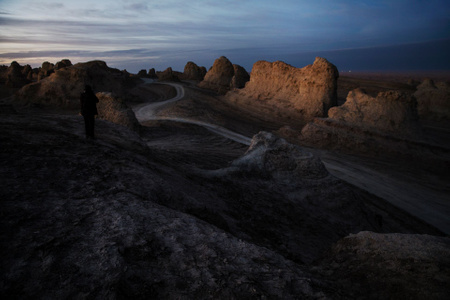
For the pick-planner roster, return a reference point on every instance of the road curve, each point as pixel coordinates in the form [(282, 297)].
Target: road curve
[(148, 113)]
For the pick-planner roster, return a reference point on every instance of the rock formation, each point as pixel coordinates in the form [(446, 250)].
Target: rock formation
[(386, 126), (63, 64), (142, 73), (114, 109), (46, 70), (433, 101), (224, 76), (282, 91), (152, 73), (16, 75), (240, 77), (390, 112), (63, 87), (390, 266), (272, 156), (194, 72), (168, 75)]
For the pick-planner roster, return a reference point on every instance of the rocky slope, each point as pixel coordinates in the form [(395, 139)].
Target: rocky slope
[(368, 265), (296, 95), (163, 215)]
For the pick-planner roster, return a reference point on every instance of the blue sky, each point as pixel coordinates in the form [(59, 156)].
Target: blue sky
[(134, 35)]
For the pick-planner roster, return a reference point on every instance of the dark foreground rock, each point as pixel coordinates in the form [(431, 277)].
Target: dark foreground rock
[(112, 218), (368, 265)]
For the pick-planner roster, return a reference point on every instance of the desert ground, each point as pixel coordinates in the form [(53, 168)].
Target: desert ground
[(180, 209)]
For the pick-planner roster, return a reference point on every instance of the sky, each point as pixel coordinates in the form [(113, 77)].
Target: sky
[(136, 34)]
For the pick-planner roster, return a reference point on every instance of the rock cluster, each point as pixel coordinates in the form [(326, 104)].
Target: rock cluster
[(433, 101), (391, 112), (63, 86), (193, 72), (114, 109), (224, 76), (287, 92)]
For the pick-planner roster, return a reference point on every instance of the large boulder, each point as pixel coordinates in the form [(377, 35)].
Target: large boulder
[(280, 90), (114, 109), (224, 76), (390, 266), (63, 87), (433, 100), (193, 72), (391, 112)]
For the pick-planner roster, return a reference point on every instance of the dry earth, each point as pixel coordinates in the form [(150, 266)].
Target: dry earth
[(162, 215)]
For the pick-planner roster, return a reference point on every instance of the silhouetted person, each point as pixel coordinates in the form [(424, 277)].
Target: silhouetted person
[(88, 106)]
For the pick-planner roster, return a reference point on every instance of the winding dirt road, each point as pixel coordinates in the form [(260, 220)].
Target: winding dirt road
[(418, 196), (149, 110)]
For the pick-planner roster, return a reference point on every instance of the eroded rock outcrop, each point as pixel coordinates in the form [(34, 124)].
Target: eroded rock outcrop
[(63, 87), (224, 76), (280, 90), (168, 75), (386, 126), (391, 112), (272, 156), (63, 64), (114, 109), (16, 76), (193, 72), (391, 266), (433, 101)]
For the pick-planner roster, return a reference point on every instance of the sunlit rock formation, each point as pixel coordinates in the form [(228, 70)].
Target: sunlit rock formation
[(193, 72), (114, 109), (224, 76), (63, 87), (433, 100), (390, 112), (282, 91)]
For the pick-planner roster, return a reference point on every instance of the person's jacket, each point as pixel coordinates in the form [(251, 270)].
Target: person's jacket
[(88, 103)]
